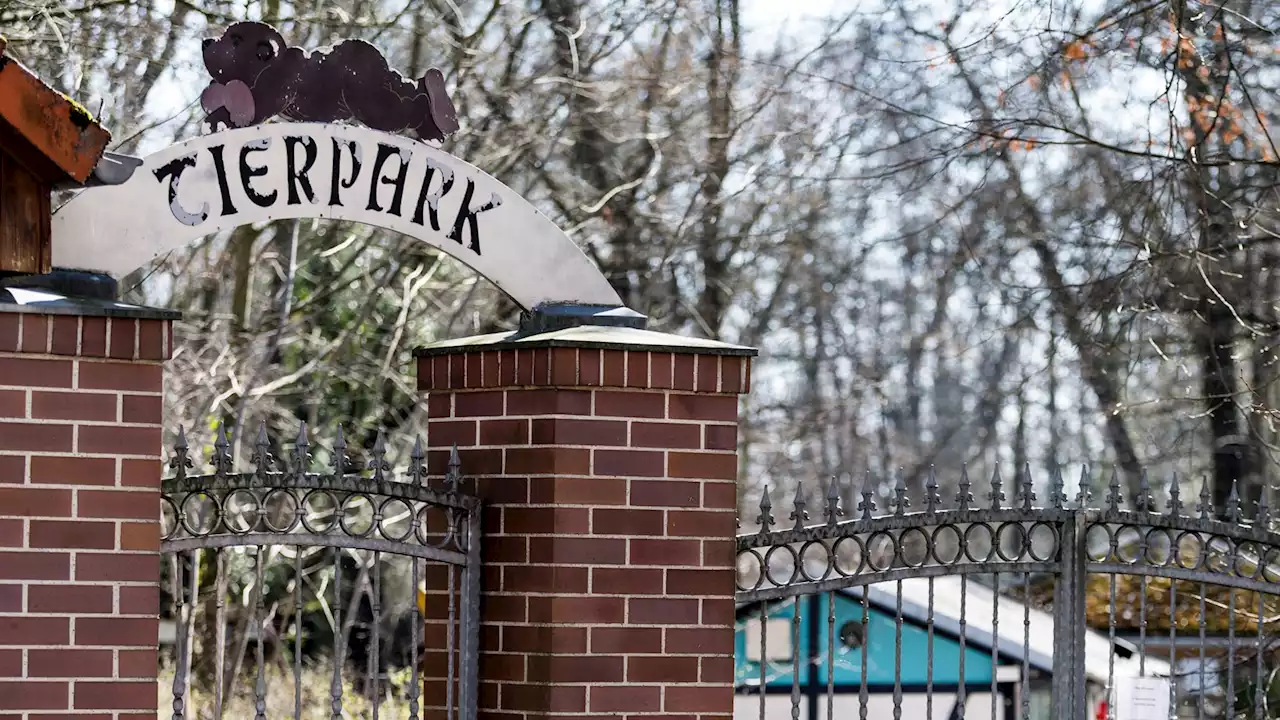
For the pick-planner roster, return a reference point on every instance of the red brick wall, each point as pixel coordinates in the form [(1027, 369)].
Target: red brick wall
[(80, 404), (609, 478)]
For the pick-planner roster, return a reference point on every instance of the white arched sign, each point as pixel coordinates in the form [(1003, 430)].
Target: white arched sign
[(304, 170)]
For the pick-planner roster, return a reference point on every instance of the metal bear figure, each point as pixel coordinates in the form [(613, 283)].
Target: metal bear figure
[(257, 76)]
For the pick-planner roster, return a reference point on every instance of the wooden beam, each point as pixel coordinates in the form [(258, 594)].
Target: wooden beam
[(54, 129)]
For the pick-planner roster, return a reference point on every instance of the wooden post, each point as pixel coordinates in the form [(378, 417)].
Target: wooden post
[(25, 211)]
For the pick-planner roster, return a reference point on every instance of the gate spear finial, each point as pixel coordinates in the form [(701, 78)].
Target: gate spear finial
[(339, 461), (1084, 495), (301, 452), (378, 459), (417, 471), (833, 510), (931, 498), (1143, 503), (222, 461), (1113, 494), (453, 476), (965, 496), (868, 504), (1175, 496), (180, 460), (900, 500), (1206, 500), (1025, 492), (1233, 504), (261, 457), (1057, 488), (798, 514), (765, 519), (997, 489)]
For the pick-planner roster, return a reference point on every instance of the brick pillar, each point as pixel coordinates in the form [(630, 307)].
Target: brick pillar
[(80, 404), (609, 474)]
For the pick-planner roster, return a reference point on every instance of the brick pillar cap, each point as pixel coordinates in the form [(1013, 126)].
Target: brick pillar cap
[(42, 301), (587, 336)]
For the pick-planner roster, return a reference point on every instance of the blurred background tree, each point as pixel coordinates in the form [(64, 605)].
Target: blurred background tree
[(959, 230)]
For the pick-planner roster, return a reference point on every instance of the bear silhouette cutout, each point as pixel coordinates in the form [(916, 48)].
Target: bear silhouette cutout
[(257, 76)]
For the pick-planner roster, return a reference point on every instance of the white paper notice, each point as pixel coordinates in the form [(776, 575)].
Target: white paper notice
[(1145, 698)]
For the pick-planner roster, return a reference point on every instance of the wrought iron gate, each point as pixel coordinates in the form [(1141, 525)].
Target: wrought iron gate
[(261, 551), (986, 609)]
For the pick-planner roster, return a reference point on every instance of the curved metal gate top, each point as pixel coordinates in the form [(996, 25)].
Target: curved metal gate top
[(989, 609), (288, 545)]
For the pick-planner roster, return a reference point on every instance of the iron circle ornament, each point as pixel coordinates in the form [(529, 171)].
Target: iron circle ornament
[(319, 511), (280, 510), (206, 511), (1042, 536), (422, 526), (452, 531), (1217, 555), (396, 521), (882, 551), (914, 547), (1159, 547), (462, 533), (979, 534), (789, 556), (1128, 545), (821, 560), (439, 533), (1270, 571), (357, 517), (170, 522), (1246, 560), (946, 542), (850, 546), (1190, 550), (1099, 542), (240, 511), (1011, 541), (749, 566)]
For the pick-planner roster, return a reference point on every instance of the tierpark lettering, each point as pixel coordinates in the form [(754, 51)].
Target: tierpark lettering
[(249, 172)]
